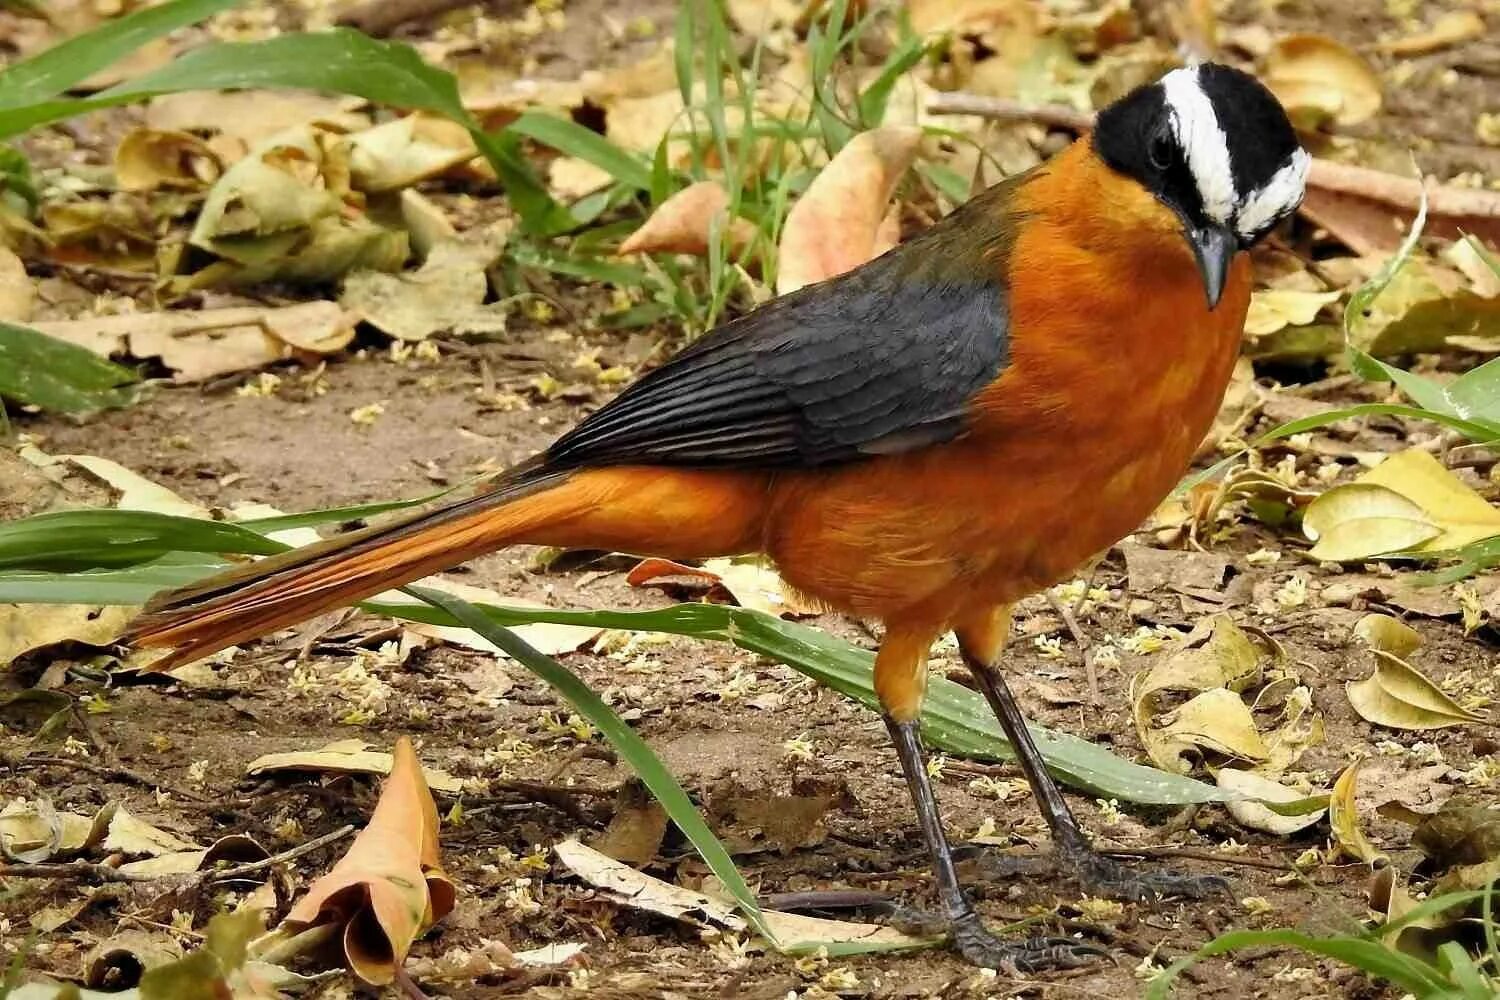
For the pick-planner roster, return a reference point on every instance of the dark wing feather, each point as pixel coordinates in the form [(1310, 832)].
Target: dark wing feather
[(883, 359)]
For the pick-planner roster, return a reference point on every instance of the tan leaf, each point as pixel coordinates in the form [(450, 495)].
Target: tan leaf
[(402, 152), (445, 295), (345, 757), (833, 227), (1220, 721), (1343, 817), (681, 223), (1451, 28), (750, 583), (389, 887), (148, 159), (570, 178), (1318, 78), (17, 293), (1360, 520), (1387, 634), (253, 116), (1253, 814), (130, 835), (1276, 308), (25, 628), (1399, 696)]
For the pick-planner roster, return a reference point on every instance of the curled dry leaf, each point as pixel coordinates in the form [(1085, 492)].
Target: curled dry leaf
[(750, 583), (390, 887), (1399, 696), (1451, 28), (834, 226), (201, 344), (346, 757), (33, 830), (249, 117), (402, 152), (445, 295), (1387, 634), (1318, 79), (148, 160), (1256, 816), (1343, 818), (681, 224)]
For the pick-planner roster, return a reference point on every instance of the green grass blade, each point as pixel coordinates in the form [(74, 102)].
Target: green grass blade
[(632, 749), (39, 370), (52, 72), (573, 139), (339, 515), (875, 97), (1376, 959), (72, 541)]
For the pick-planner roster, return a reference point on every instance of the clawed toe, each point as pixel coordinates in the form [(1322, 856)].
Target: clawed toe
[(1101, 876), (1038, 954)]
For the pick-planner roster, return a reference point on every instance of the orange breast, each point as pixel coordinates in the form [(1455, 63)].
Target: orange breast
[(1116, 370)]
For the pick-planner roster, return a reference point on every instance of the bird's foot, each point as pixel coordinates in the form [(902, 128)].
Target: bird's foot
[(977, 945), (1103, 876)]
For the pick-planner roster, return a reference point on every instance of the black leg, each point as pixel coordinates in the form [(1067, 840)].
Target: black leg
[(970, 937), (1098, 874)]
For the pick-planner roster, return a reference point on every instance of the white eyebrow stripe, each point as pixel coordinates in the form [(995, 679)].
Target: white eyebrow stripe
[(1196, 126), (1275, 198)]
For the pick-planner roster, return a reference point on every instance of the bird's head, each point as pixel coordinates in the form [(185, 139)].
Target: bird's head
[(1214, 146)]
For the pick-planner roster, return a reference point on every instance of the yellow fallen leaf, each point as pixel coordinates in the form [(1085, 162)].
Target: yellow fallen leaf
[(390, 887), (834, 226), (345, 757), (1387, 634), (1463, 515), (1360, 520), (1399, 696), (1315, 73), (17, 293), (149, 159), (1275, 308), (1220, 721), (1343, 818)]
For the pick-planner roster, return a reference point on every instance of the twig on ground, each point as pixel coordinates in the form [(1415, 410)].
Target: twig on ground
[(118, 773), (1194, 854), (407, 987), (1052, 115), (291, 854), (70, 870)]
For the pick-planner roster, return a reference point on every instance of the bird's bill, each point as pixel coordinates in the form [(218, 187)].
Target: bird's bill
[(1214, 248)]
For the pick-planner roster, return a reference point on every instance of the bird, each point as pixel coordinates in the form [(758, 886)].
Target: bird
[(922, 441)]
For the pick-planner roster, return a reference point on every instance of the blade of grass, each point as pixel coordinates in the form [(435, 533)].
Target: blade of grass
[(49, 73), (39, 370), (632, 749), (875, 97), (72, 541), (573, 139)]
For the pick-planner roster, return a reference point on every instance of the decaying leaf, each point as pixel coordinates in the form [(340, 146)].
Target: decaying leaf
[(148, 160), (346, 757), (407, 150), (1387, 634), (1343, 818), (1408, 795), (130, 835), (750, 583), (1451, 28), (636, 889), (17, 293), (33, 830), (201, 344), (445, 295), (390, 886), (27, 628), (1399, 696), (1318, 79), (681, 224), (1408, 502), (834, 226), (249, 117), (1253, 814)]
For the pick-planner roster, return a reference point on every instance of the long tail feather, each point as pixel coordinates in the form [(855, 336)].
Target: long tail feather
[(272, 593)]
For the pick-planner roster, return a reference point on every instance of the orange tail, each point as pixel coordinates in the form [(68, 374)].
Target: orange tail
[(656, 511)]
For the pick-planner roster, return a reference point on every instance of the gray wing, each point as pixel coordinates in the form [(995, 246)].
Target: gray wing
[(883, 359)]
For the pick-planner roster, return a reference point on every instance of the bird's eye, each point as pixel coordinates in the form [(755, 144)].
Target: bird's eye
[(1160, 150)]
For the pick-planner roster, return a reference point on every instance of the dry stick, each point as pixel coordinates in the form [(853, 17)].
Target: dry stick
[(381, 17), (1341, 178), (120, 773), (1194, 854), (250, 868)]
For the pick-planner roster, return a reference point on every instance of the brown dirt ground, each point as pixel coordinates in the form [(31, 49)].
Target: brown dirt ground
[(299, 450)]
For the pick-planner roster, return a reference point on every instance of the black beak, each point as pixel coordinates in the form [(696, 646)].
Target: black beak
[(1214, 248)]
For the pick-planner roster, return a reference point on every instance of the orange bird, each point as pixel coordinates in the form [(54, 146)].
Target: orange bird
[(924, 440)]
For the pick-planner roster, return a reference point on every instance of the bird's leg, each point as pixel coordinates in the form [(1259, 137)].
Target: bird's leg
[(900, 678), (981, 643)]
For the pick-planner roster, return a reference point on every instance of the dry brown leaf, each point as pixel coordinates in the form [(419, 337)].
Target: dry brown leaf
[(445, 295), (390, 886), (681, 223), (149, 159), (570, 178), (834, 226), (198, 345), (17, 293), (402, 152), (346, 757), (252, 116), (1451, 28), (129, 835), (1318, 79), (1400, 696), (750, 583), (1367, 209)]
